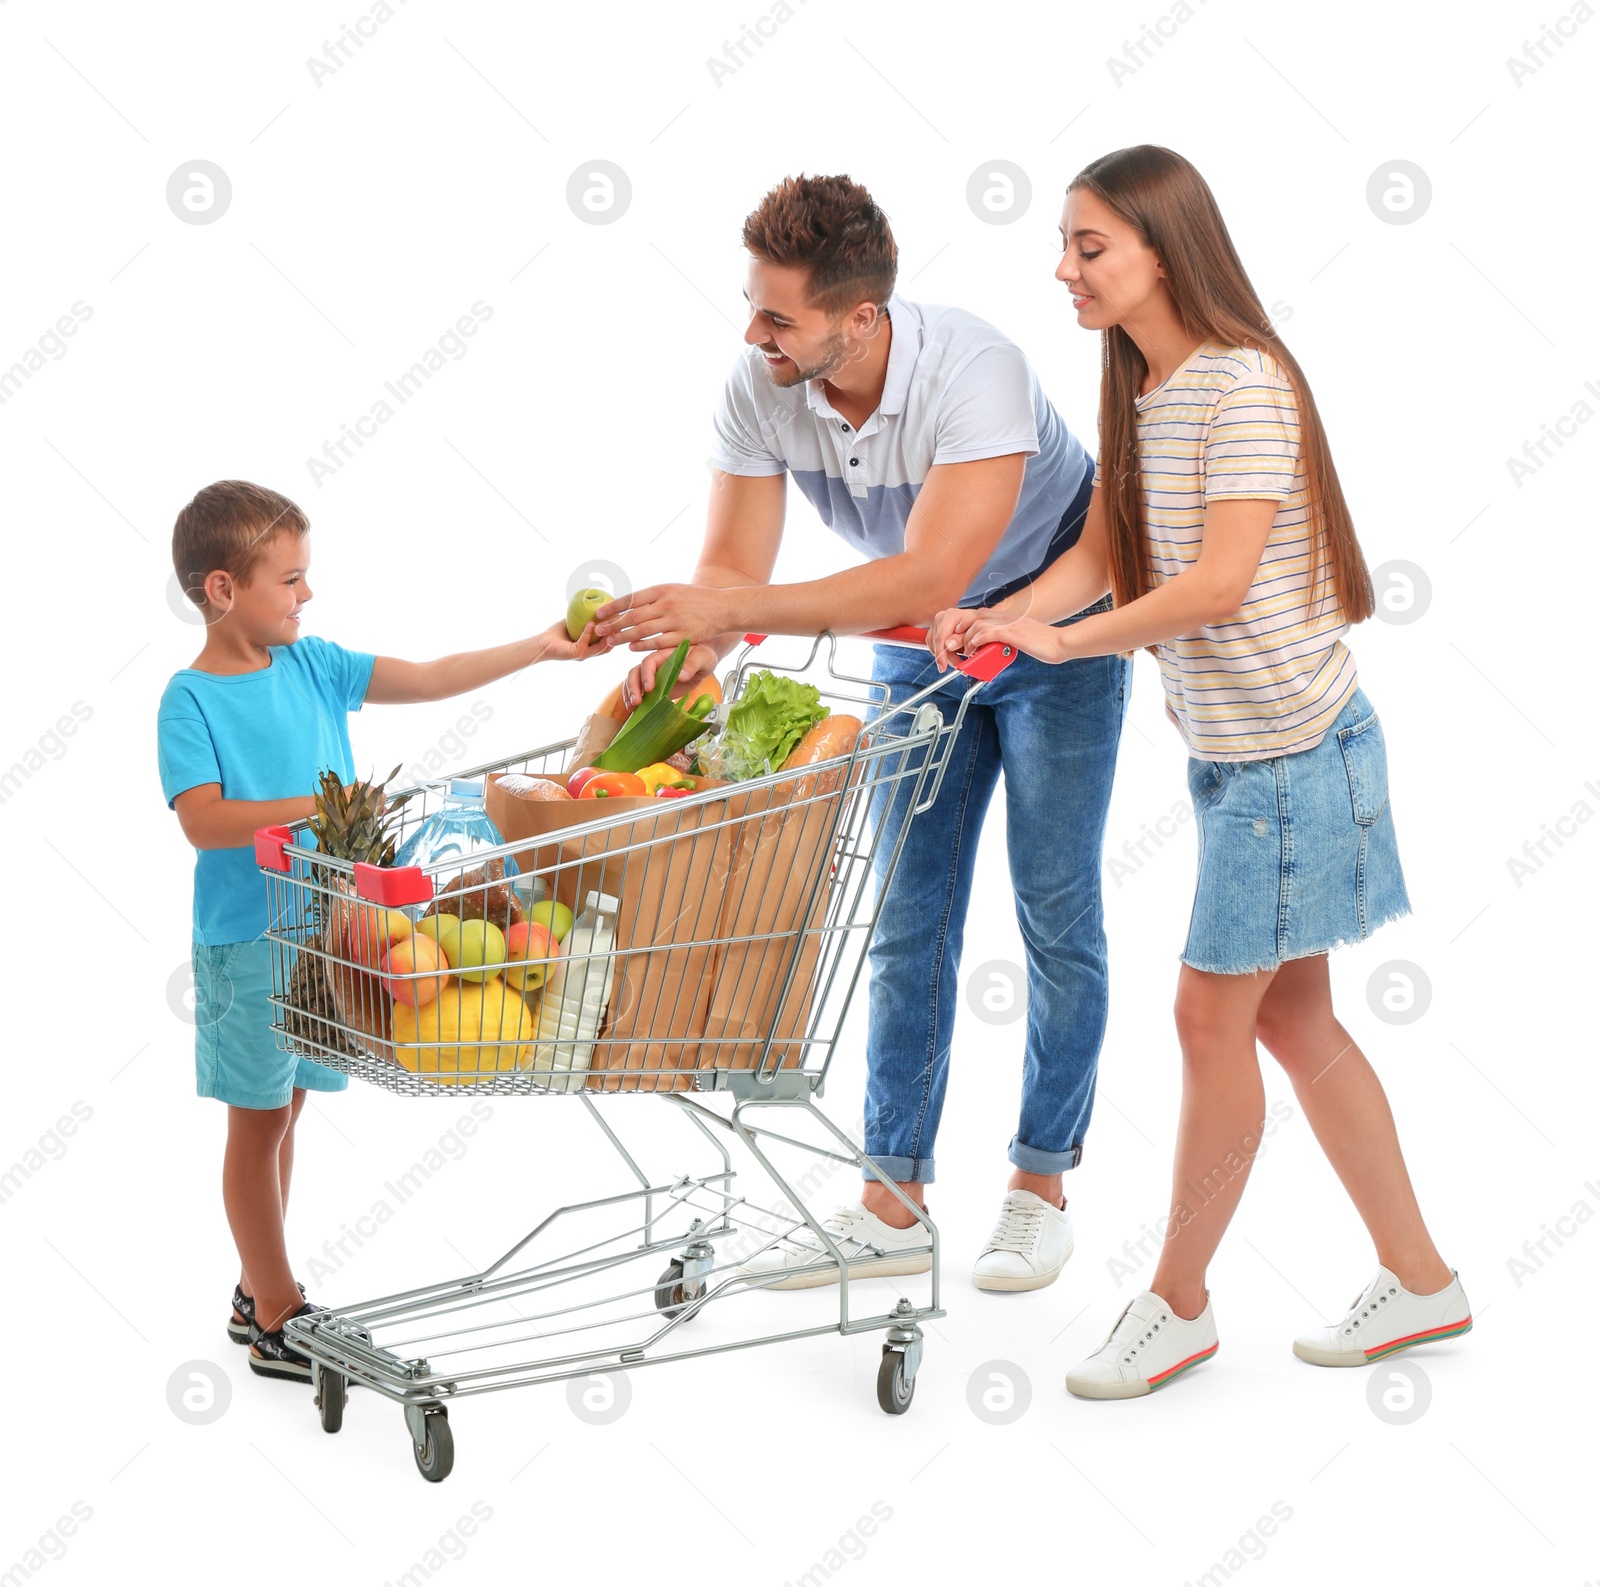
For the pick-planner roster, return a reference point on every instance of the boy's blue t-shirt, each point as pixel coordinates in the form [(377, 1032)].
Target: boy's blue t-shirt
[(261, 735)]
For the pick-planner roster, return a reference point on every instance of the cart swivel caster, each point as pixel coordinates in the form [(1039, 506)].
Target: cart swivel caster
[(330, 1397), (894, 1387), (902, 1355), (432, 1445), (675, 1294), (684, 1280)]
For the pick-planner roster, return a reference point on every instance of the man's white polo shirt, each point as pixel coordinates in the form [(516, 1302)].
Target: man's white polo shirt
[(955, 390)]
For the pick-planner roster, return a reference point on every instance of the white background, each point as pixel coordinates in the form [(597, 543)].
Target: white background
[(367, 214)]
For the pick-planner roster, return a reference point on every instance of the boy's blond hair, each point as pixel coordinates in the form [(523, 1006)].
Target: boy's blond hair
[(228, 526)]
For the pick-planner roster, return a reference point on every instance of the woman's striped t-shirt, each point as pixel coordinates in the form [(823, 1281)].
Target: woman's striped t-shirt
[(1270, 679)]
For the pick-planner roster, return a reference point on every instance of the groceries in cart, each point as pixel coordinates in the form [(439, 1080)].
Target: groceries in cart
[(612, 880), (455, 831)]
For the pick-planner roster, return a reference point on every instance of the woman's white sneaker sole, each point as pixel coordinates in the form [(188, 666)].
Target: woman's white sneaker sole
[(1029, 1281), (1318, 1356), (1091, 1389)]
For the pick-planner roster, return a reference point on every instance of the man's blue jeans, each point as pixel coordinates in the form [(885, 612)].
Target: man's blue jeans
[(1054, 731)]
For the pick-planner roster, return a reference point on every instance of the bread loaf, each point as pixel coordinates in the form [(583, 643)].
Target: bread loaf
[(525, 787), (834, 735)]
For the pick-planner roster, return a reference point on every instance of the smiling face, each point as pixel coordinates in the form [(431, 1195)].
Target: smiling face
[(263, 607), (1113, 274), (798, 340)]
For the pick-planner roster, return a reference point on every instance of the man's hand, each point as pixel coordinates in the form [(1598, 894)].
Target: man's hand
[(700, 663), (659, 617), (558, 647)]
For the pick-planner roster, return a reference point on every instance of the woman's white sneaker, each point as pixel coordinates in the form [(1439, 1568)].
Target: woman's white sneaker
[(1384, 1319), (871, 1247), (1030, 1244), (1148, 1347)]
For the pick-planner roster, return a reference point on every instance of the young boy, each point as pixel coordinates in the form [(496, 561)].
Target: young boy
[(242, 736)]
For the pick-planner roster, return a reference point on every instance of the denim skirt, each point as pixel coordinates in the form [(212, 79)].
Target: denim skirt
[(1297, 853)]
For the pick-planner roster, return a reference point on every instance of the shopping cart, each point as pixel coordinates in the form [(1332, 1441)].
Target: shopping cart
[(740, 917)]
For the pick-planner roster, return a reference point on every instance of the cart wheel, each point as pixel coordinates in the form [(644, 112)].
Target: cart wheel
[(437, 1453), (670, 1296), (330, 1399), (894, 1393)]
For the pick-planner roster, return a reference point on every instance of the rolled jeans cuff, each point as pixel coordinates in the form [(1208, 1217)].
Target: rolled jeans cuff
[(902, 1170), (1032, 1161)]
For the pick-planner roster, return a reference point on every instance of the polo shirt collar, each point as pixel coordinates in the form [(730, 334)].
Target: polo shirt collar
[(903, 346)]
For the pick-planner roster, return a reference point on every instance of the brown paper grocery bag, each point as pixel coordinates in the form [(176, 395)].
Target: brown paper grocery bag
[(781, 860), (667, 869)]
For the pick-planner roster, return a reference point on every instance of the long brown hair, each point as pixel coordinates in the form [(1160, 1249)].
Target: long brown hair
[(1166, 200)]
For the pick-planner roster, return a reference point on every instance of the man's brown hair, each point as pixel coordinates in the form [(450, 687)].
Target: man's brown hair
[(229, 525), (829, 226)]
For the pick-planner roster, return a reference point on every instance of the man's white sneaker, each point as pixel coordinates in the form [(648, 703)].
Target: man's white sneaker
[(1384, 1319), (1149, 1346), (872, 1248), (1029, 1247)]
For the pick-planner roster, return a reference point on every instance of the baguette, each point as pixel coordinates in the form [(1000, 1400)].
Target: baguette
[(834, 735)]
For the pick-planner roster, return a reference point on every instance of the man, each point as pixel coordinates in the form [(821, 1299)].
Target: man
[(921, 436)]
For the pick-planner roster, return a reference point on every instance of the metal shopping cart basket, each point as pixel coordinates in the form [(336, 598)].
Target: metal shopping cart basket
[(724, 935)]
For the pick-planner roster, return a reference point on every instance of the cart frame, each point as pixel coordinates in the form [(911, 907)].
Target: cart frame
[(682, 1217)]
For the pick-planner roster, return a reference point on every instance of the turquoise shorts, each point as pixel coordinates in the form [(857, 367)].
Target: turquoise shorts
[(236, 1056)]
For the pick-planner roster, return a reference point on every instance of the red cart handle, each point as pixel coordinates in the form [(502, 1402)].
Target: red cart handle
[(989, 662), (390, 886)]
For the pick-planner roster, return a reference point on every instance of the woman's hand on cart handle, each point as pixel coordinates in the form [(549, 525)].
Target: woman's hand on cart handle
[(985, 663)]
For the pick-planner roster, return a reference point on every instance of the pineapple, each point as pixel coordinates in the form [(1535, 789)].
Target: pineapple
[(354, 823), (349, 824)]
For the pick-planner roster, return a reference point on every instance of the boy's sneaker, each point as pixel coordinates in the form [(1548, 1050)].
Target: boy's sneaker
[(1148, 1347), (870, 1246), (242, 1322), (1384, 1319), (272, 1357), (1029, 1247)]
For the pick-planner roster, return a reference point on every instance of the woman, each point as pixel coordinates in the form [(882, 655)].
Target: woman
[(1218, 524)]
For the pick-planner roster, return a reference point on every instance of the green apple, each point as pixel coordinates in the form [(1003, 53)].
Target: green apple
[(480, 950), (581, 609), (555, 917), (444, 930)]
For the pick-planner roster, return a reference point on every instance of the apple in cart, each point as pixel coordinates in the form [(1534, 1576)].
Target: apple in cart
[(531, 940), (371, 932), (584, 774), (480, 950), (415, 970), (553, 915), (442, 928)]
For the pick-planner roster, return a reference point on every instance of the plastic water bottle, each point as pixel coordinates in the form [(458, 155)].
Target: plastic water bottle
[(455, 831), (576, 995)]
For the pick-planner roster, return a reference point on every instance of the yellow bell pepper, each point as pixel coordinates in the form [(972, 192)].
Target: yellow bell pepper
[(660, 775)]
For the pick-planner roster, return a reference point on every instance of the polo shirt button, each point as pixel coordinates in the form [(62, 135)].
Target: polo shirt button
[(844, 426), (854, 461)]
